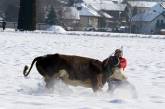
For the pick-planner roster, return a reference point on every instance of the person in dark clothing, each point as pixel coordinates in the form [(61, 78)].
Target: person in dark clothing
[(3, 25), (117, 65)]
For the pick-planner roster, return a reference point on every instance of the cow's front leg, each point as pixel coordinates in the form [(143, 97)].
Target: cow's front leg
[(97, 83)]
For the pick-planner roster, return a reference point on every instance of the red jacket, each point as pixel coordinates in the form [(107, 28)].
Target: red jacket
[(123, 63)]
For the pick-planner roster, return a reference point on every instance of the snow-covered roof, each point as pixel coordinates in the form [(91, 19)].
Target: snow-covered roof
[(144, 4), (106, 5), (106, 15), (151, 14), (87, 11), (70, 13)]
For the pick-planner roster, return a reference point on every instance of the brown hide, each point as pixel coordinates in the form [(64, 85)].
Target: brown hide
[(78, 69)]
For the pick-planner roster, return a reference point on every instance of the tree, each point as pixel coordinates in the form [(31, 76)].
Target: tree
[(27, 15), (51, 17)]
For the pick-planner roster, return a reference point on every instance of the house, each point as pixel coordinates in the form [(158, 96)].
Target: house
[(70, 18), (115, 9), (136, 7), (89, 17), (150, 21)]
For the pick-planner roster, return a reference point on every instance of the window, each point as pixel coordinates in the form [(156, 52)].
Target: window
[(158, 23), (162, 22)]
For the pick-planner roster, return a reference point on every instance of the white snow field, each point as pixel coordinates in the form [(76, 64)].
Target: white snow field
[(145, 71)]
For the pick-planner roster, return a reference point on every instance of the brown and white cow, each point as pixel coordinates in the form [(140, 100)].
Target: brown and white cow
[(73, 70)]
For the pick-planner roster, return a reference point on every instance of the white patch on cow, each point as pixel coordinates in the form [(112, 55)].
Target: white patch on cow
[(64, 76)]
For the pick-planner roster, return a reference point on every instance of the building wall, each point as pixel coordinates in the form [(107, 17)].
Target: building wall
[(136, 10), (86, 21), (160, 18), (148, 27), (143, 28), (142, 10)]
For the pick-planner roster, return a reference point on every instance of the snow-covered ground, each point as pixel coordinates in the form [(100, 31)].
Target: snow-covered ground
[(146, 70)]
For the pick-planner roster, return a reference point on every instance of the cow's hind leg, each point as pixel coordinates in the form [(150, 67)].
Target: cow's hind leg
[(44, 73), (48, 82)]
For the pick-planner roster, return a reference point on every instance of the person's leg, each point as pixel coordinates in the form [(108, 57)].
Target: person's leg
[(112, 84)]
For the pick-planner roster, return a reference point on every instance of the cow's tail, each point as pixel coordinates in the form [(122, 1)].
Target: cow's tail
[(25, 72)]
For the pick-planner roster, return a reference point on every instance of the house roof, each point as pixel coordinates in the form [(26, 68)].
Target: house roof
[(144, 4), (106, 15), (70, 13), (87, 11), (106, 5), (151, 14)]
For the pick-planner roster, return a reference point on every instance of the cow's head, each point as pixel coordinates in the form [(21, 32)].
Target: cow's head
[(108, 64), (106, 67)]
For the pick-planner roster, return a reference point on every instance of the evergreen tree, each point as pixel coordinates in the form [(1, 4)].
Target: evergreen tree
[(51, 17), (27, 15)]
